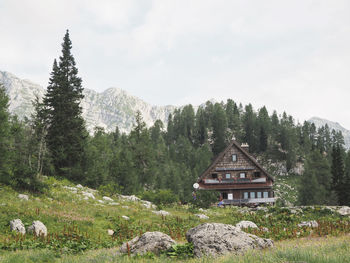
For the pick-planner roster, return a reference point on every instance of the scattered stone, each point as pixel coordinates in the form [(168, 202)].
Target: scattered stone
[(50, 199), (23, 197), (296, 210), (312, 224), (265, 229), (148, 204), (344, 211), (17, 225), (125, 206), (132, 198), (246, 224), (262, 208), (110, 232), (126, 217), (88, 195), (113, 203), (38, 228), (153, 242), (73, 189), (161, 212), (79, 186), (101, 201), (202, 216), (214, 239), (106, 198)]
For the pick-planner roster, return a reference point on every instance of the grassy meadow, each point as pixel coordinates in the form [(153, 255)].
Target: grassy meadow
[(77, 228)]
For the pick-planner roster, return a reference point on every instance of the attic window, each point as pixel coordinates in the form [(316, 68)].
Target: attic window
[(256, 174), (234, 157)]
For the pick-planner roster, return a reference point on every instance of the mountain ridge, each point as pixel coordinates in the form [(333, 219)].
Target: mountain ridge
[(108, 109)]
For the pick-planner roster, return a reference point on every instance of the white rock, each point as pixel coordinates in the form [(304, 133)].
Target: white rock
[(106, 198), (113, 203), (126, 217), (38, 228), (311, 224), (265, 229), (23, 197), (79, 186), (202, 216), (148, 204), (125, 206), (74, 189), (101, 201), (344, 211), (110, 232), (88, 195), (17, 225), (161, 212), (132, 198), (246, 224)]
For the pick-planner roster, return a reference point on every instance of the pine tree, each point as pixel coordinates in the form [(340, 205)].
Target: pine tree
[(66, 135), (338, 174), (347, 180), (4, 132), (219, 129)]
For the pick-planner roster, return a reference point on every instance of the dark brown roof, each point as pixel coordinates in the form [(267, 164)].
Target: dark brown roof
[(220, 155)]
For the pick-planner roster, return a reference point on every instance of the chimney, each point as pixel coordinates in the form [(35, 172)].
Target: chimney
[(245, 147)]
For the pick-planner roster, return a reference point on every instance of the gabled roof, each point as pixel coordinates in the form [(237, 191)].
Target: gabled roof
[(220, 156)]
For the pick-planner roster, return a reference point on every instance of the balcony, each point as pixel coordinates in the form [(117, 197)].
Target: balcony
[(249, 201), (235, 181)]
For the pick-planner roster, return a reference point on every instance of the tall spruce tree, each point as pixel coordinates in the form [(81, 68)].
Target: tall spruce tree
[(4, 132), (338, 174), (66, 135)]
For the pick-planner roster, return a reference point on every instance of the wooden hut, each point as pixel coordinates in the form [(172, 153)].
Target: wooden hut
[(239, 178)]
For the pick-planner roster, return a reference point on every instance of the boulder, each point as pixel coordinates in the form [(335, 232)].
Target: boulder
[(79, 186), (148, 204), (132, 198), (88, 195), (344, 211), (149, 242), (38, 228), (202, 216), (312, 224), (161, 212), (110, 232), (113, 203), (17, 225), (23, 197), (101, 201), (126, 217), (214, 239), (246, 224), (106, 198)]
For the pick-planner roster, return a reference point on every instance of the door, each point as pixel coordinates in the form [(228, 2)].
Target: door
[(230, 196)]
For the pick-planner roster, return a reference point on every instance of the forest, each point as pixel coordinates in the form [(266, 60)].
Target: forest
[(164, 160)]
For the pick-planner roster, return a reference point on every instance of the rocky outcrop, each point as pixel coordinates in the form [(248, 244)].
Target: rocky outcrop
[(23, 197), (161, 212), (149, 242), (38, 229), (214, 239), (202, 216), (17, 225), (344, 211), (246, 224), (108, 199), (312, 224)]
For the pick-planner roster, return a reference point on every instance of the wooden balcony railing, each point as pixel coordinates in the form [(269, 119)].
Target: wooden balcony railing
[(249, 201), (235, 181)]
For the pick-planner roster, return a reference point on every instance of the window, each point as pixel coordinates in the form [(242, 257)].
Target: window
[(228, 176), (214, 176), (230, 196), (242, 175), (256, 174), (224, 195), (245, 195), (258, 194), (252, 194), (266, 194), (234, 157)]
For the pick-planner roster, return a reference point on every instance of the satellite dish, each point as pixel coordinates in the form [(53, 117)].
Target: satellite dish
[(195, 186)]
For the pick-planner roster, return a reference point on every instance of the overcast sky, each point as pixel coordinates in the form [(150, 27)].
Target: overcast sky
[(288, 55)]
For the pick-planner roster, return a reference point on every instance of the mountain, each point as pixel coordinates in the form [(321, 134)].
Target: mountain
[(333, 126), (108, 109)]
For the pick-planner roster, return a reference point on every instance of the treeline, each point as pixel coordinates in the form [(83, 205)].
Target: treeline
[(165, 159)]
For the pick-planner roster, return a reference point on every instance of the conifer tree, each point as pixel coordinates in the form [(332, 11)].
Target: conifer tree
[(4, 132), (338, 174), (66, 135)]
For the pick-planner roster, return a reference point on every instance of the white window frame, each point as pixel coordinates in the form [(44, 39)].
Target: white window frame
[(230, 196), (252, 195), (234, 157), (227, 176), (245, 195), (242, 175), (258, 195), (266, 194)]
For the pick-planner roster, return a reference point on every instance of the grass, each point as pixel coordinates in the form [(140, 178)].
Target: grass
[(310, 250), (78, 228)]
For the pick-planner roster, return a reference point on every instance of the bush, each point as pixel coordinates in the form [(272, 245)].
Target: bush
[(205, 198), (160, 197)]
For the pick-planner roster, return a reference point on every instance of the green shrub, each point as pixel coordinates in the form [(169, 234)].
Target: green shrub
[(160, 197)]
